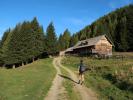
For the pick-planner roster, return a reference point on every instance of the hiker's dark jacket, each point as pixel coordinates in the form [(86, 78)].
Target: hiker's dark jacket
[(81, 68)]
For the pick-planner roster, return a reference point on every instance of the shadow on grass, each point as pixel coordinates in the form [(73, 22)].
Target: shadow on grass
[(66, 77)]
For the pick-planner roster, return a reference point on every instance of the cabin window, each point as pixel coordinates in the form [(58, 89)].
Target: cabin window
[(83, 43)]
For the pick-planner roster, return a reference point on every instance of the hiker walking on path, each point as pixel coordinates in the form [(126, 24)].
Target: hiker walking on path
[(81, 70)]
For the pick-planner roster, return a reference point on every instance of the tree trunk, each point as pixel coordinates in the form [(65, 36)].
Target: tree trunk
[(26, 63), (33, 59), (4, 65), (22, 63), (13, 67)]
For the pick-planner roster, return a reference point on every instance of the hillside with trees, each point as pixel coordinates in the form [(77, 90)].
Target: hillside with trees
[(117, 25)]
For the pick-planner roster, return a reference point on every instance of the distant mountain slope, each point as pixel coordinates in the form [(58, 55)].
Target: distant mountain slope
[(117, 25)]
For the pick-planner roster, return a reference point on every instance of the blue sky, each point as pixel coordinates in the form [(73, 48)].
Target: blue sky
[(71, 14)]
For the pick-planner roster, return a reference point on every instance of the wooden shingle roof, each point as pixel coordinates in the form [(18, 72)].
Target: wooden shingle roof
[(90, 42)]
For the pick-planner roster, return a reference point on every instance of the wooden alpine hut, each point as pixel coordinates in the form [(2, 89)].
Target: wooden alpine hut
[(100, 45)]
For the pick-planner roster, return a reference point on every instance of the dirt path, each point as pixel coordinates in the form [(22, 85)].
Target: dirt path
[(56, 91), (85, 93), (57, 88)]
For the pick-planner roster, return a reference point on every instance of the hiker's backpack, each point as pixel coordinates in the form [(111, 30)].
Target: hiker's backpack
[(82, 68)]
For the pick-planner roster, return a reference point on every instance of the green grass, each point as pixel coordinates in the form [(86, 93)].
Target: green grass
[(31, 82), (102, 78), (69, 87)]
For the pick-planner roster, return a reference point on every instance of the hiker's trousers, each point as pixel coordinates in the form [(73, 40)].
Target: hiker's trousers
[(81, 77)]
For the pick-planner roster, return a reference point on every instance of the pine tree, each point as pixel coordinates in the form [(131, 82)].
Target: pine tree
[(5, 48), (121, 38), (130, 27), (51, 39), (60, 43), (66, 39), (4, 37), (74, 39), (37, 38)]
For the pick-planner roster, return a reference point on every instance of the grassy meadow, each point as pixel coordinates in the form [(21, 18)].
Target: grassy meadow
[(30, 82), (111, 79)]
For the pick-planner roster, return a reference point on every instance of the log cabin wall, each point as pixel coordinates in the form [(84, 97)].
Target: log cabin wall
[(103, 47)]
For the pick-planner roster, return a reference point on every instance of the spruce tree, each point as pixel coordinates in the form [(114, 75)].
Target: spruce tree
[(60, 43), (37, 37), (51, 39), (4, 37), (66, 39), (130, 27), (5, 48), (74, 39)]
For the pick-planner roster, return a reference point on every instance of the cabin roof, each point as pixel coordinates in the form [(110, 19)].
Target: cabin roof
[(91, 41), (69, 49)]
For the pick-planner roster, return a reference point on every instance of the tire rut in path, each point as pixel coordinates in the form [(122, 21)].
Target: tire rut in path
[(85, 93), (56, 89)]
